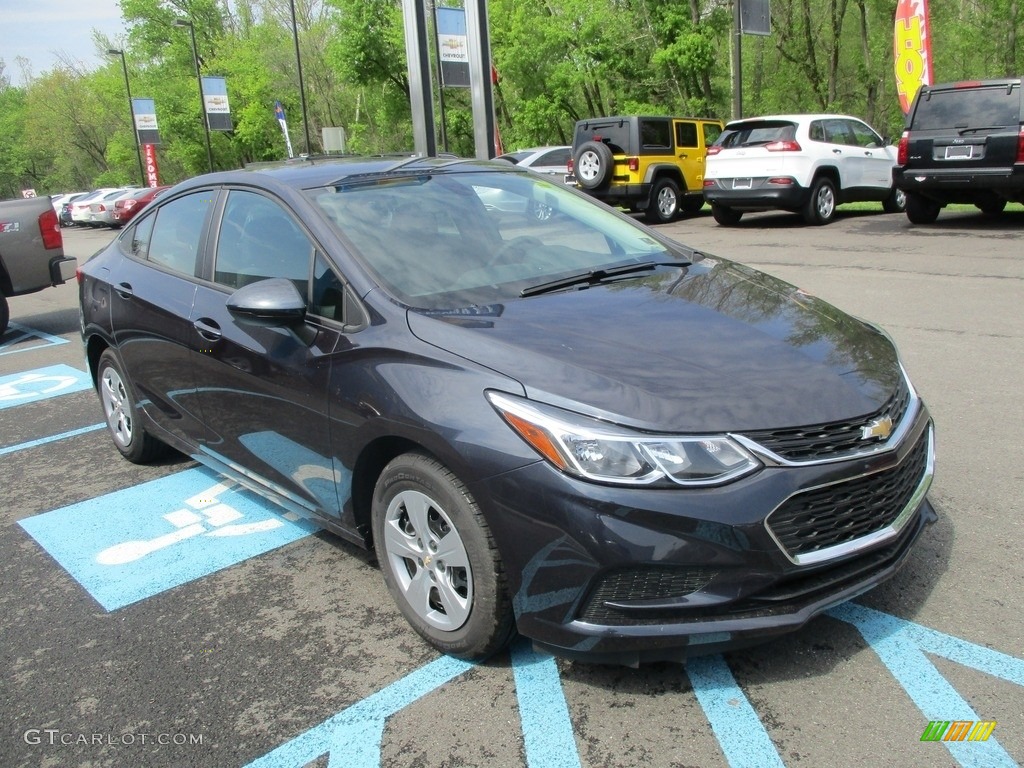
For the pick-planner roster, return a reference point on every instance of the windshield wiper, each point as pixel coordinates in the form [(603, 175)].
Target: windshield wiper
[(962, 131), (596, 276)]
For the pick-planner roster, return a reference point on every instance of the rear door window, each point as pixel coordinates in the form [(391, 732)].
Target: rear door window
[(178, 230)]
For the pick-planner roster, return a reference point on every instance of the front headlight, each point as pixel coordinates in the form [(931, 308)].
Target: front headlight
[(608, 453)]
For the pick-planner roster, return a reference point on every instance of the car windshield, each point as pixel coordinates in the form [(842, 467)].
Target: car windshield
[(452, 240)]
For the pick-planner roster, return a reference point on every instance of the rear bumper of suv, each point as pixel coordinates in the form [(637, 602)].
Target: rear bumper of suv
[(962, 185), (759, 196)]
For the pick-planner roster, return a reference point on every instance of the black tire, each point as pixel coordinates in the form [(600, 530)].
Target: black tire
[(726, 216), (820, 207), (122, 413), (992, 207), (592, 165), (664, 204), (692, 203), (5, 315), (896, 202), (921, 210), (422, 511)]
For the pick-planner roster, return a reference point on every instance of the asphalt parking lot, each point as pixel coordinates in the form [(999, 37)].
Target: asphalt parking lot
[(142, 624)]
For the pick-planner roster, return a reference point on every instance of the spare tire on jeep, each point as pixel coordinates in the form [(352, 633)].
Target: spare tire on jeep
[(593, 164)]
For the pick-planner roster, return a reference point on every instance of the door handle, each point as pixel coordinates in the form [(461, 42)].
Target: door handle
[(207, 328), (124, 290)]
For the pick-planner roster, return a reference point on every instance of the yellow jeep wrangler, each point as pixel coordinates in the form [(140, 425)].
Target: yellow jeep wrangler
[(649, 164)]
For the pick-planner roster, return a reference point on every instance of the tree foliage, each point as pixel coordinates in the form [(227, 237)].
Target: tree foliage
[(558, 61)]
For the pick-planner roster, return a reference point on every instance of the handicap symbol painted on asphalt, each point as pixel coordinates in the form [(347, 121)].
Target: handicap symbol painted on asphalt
[(135, 543), (40, 384), (18, 336)]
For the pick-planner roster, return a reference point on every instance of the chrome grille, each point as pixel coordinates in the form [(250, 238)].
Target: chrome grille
[(836, 514)]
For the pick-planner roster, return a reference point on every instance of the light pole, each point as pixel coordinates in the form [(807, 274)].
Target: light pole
[(199, 80), (131, 110), (298, 63)]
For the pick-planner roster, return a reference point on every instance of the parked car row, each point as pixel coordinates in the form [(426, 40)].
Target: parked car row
[(106, 206)]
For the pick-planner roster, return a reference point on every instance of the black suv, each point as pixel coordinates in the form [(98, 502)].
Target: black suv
[(649, 164), (963, 143)]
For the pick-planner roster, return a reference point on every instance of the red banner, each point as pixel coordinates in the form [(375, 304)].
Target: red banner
[(912, 50), (152, 172)]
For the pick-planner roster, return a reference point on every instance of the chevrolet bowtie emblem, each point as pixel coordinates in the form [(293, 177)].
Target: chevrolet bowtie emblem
[(880, 428)]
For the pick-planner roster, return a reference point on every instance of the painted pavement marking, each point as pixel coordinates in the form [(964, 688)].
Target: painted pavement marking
[(51, 439), (40, 384), (18, 333), (135, 543)]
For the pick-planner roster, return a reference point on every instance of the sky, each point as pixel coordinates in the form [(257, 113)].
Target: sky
[(42, 30)]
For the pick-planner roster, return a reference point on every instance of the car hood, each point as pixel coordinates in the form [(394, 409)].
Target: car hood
[(708, 348)]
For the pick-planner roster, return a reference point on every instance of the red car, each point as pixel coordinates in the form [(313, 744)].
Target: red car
[(126, 208)]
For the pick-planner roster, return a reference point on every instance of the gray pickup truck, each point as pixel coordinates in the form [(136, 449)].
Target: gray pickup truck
[(31, 250)]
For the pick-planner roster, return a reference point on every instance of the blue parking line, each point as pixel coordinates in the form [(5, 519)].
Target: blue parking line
[(51, 439), (547, 728), (737, 727), (24, 332), (901, 645), (353, 737)]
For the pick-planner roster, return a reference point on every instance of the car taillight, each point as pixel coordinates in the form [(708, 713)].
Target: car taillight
[(633, 164), (78, 276), (1020, 147), (902, 149), (569, 165), (713, 150), (782, 146), (49, 228)]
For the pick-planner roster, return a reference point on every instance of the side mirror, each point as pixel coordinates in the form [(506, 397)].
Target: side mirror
[(271, 302)]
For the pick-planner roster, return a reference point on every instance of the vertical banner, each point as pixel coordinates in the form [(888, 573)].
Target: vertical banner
[(912, 50), (215, 101), (144, 112), (283, 122), (152, 171), (453, 47)]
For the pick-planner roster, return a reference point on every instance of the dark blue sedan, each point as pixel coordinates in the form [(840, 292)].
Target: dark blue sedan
[(568, 426)]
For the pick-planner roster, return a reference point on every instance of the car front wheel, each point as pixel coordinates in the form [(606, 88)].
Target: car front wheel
[(921, 210), (820, 207), (664, 205), (439, 559), (120, 411)]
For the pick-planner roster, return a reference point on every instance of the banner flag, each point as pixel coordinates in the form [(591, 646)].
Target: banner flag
[(152, 171), (144, 112), (912, 50), (283, 122), (215, 101), (452, 46)]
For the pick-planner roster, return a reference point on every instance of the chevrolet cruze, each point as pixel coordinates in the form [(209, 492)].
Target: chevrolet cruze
[(572, 428)]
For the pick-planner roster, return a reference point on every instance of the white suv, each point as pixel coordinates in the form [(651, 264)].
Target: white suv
[(807, 164)]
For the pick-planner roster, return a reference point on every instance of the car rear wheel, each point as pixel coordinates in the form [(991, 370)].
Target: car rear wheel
[(593, 164), (120, 411), (992, 207), (439, 559), (820, 207), (726, 216), (921, 210), (664, 205), (896, 202), (5, 315)]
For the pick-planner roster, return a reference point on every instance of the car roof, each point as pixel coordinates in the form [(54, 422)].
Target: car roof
[(313, 172), (796, 118)]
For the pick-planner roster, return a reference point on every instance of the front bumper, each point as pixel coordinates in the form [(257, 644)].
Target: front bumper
[(626, 576)]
